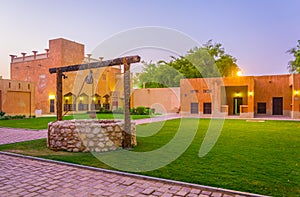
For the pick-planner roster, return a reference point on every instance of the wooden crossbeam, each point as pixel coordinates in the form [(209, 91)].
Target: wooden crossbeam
[(113, 62)]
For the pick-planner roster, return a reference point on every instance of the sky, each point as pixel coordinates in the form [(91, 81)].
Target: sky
[(256, 32)]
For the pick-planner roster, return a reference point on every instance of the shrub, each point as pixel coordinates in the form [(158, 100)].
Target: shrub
[(101, 110), (141, 110), (2, 113), (133, 111)]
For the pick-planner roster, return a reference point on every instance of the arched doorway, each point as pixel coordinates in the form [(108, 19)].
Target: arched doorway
[(83, 102), (106, 102), (96, 102), (69, 100)]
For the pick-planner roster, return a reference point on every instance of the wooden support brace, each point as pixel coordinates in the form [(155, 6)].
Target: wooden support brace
[(59, 95), (127, 121)]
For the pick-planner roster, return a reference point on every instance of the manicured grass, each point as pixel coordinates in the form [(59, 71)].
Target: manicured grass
[(42, 122), (257, 157)]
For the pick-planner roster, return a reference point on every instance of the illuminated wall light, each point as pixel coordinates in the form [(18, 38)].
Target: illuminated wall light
[(296, 92), (80, 98), (237, 94), (51, 96), (239, 73), (250, 93)]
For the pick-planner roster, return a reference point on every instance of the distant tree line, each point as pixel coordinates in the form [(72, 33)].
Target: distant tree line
[(294, 65), (210, 60)]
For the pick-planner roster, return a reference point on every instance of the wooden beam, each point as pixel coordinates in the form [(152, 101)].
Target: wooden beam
[(113, 62), (127, 127), (58, 95)]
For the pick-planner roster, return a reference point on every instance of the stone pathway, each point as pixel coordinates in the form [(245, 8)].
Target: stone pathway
[(157, 118), (31, 177), (11, 135)]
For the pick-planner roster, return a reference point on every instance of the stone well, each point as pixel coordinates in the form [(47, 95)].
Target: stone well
[(88, 135)]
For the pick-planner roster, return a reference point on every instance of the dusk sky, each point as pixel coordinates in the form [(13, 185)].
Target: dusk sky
[(256, 32)]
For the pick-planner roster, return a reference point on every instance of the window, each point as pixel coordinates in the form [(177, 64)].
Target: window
[(261, 108), (194, 108), (19, 86), (9, 85), (207, 91), (28, 86), (194, 91), (206, 108)]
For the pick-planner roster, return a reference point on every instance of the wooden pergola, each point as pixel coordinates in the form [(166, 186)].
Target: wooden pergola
[(126, 61)]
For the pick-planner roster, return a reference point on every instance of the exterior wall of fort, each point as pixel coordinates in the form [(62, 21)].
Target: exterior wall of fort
[(35, 68), (17, 97), (163, 100), (247, 97)]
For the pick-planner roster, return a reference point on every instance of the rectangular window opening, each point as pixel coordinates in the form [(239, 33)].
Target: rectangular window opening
[(261, 108)]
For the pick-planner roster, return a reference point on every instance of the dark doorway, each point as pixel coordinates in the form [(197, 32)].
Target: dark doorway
[(277, 106), (51, 105), (206, 108), (194, 108), (236, 105)]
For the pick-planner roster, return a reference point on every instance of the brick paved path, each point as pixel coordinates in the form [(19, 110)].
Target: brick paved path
[(28, 177), (11, 135)]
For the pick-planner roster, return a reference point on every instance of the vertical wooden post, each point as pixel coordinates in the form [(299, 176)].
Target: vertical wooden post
[(59, 94), (127, 121)]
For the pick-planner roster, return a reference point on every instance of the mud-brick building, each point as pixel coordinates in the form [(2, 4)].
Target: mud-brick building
[(245, 97), (17, 97), (34, 68)]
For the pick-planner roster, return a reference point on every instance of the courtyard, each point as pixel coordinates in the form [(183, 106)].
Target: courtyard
[(250, 156)]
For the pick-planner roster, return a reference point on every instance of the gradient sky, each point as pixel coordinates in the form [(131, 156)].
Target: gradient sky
[(256, 32)]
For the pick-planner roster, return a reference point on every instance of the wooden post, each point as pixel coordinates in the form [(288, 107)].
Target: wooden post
[(58, 94), (127, 121)]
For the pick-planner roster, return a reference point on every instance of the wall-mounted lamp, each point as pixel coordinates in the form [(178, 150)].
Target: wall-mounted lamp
[(296, 92), (51, 96), (250, 93), (239, 73), (80, 98), (237, 94)]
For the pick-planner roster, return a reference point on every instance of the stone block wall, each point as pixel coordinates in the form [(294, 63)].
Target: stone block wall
[(88, 135)]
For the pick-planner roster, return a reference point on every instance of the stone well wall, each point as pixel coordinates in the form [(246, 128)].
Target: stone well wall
[(88, 135)]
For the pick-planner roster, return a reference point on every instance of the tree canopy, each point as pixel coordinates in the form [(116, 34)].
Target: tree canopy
[(294, 65), (210, 60)]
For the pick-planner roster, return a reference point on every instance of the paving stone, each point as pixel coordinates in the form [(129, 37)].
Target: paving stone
[(148, 191)]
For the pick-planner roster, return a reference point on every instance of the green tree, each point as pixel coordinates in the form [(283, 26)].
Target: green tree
[(158, 76), (294, 65), (210, 60)]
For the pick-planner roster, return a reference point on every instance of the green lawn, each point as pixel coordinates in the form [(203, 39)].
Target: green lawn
[(257, 157), (42, 122)]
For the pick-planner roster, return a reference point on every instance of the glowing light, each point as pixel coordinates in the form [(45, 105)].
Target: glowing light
[(237, 94), (51, 96), (239, 73), (250, 93), (296, 92)]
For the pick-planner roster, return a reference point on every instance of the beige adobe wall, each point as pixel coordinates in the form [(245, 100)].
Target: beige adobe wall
[(267, 87), (210, 90), (17, 97), (295, 84), (163, 100)]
